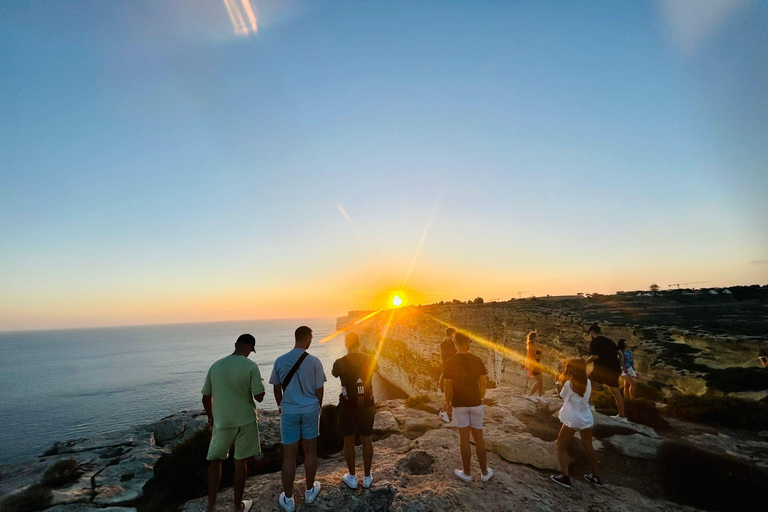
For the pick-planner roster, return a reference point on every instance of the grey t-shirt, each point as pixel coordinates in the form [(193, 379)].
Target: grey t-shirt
[(299, 397)]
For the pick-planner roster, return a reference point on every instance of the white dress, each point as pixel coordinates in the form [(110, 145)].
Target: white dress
[(575, 412)]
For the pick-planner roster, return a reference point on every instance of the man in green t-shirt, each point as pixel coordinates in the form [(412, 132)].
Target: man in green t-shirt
[(230, 387)]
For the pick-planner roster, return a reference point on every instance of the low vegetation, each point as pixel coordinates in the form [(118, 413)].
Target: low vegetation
[(62, 472), (708, 480), (720, 411)]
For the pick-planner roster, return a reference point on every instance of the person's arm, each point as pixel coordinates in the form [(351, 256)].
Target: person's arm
[(448, 384), (257, 385), (208, 406), (319, 394), (483, 382), (621, 360), (592, 359), (593, 351), (260, 396), (278, 395)]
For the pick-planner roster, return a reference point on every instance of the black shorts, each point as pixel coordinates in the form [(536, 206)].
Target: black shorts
[(355, 419), (605, 376)]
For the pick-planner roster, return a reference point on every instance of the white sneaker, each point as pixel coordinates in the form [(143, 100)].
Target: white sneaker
[(444, 416), (487, 476), (350, 480), (543, 400), (311, 494), (247, 504), (531, 398), (620, 419), (367, 481), (461, 476), (286, 504)]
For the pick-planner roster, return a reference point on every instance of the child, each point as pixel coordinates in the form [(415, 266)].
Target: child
[(628, 372), (576, 417)]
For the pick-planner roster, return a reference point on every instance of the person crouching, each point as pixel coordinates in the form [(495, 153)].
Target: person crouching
[(465, 384)]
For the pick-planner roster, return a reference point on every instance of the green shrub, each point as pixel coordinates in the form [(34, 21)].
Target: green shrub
[(722, 411), (709, 480), (649, 392), (604, 401), (34, 497), (62, 472)]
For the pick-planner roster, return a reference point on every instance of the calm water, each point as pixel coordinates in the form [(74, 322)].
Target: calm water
[(59, 385)]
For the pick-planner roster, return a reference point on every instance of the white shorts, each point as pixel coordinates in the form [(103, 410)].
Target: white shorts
[(631, 372), (468, 417)]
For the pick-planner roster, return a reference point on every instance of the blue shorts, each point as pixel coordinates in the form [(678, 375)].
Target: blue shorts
[(299, 426)]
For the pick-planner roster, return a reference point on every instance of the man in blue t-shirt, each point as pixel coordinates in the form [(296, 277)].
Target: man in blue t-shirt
[(300, 403)]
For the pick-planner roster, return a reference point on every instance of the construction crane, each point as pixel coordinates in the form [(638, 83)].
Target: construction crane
[(520, 294), (694, 282)]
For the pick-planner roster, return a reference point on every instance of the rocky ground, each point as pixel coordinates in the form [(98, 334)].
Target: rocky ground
[(415, 454)]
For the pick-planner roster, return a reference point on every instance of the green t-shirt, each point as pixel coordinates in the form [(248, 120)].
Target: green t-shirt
[(231, 382)]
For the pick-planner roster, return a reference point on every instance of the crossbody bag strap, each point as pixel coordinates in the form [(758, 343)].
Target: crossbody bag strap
[(293, 370)]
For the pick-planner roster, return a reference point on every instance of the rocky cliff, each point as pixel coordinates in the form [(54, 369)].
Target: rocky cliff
[(687, 344)]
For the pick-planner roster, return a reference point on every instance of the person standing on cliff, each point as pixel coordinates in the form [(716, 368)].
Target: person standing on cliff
[(447, 351), (230, 387), (355, 412), (298, 380), (604, 354), (466, 380)]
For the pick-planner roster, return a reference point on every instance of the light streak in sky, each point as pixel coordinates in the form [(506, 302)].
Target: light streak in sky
[(345, 214), (421, 243), (242, 16)]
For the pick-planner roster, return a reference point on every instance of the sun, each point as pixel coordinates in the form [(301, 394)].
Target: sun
[(397, 301)]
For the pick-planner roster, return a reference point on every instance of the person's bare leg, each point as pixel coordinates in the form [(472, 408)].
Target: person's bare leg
[(536, 385), (465, 449), (310, 460), (632, 387), (563, 438), (349, 453), (367, 454), (619, 401), (214, 481), (289, 467), (482, 456), (586, 440), (540, 384), (241, 473)]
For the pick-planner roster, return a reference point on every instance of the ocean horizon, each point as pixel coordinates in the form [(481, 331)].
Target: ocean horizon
[(63, 384)]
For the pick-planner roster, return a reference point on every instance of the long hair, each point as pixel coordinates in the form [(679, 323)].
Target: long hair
[(622, 344), (531, 337), (576, 372)]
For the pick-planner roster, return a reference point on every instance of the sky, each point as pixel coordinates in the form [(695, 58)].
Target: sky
[(205, 160)]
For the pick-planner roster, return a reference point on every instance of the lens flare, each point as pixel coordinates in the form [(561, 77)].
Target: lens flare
[(397, 301)]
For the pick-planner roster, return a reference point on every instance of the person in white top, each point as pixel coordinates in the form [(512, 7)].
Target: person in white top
[(576, 417)]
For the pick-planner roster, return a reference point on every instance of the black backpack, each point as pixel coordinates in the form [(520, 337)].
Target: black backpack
[(360, 393)]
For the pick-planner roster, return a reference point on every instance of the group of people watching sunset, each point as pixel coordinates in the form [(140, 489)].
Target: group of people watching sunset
[(234, 382)]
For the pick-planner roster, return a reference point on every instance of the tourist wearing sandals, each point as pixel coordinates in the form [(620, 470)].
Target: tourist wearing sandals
[(576, 416), (533, 365)]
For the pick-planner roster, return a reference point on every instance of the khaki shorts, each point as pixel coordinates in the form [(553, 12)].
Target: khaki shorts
[(245, 439)]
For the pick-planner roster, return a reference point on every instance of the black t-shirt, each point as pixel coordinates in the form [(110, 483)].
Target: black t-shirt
[(607, 354), (465, 371), (356, 366), (447, 350)]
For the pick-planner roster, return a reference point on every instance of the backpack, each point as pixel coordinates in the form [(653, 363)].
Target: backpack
[(360, 393)]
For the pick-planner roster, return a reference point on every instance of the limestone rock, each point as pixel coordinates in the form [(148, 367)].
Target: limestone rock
[(384, 422), (522, 448), (637, 446), (752, 450)]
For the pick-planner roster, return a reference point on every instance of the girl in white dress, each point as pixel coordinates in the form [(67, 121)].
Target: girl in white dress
[(576, 417)]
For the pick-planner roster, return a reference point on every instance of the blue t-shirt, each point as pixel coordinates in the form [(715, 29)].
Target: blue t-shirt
[(629, 360), (299, 397)]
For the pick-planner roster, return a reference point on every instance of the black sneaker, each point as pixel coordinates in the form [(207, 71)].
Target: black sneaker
[(595, 480), (563, 480)]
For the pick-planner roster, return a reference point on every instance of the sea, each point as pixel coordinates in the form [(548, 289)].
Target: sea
[(58, 385)]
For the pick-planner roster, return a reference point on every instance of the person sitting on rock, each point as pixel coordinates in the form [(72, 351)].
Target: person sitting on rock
[(576, 417), (533, 365), (230, 387), (628, 372), (298, 380), (607, 367), (465, 384), (447, 351), (355, 411)]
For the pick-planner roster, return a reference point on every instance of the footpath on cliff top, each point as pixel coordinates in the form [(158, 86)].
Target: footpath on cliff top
[(415, 454)]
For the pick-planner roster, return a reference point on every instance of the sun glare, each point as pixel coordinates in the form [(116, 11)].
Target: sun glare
[(397, 301)]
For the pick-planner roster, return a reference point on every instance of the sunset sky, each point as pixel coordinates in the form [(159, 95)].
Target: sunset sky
[(174, 161)]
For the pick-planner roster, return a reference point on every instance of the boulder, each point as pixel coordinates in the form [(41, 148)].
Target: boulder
[(521, 448), (385, 423), (636, 446), (752, 450)]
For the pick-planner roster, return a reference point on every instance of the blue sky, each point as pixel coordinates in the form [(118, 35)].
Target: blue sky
[(155, 166)]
